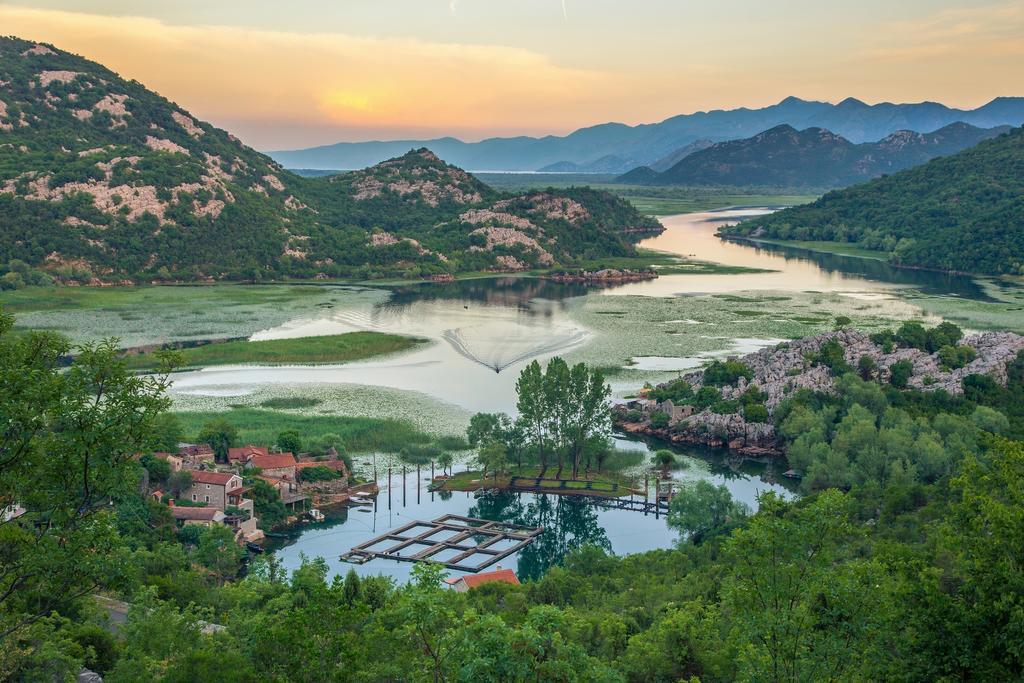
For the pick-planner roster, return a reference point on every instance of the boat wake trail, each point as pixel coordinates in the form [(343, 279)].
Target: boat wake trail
[(501, 353)]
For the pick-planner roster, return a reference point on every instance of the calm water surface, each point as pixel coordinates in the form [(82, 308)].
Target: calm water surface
[(486, 330)]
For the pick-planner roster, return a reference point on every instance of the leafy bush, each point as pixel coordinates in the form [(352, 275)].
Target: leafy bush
[(900, 372), (953, 357), (722, 373), (659, 419)]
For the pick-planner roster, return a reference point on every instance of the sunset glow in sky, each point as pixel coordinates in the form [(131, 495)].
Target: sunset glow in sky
[(305, 72)]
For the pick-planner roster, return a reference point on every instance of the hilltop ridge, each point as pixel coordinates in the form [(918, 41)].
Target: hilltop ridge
[(102, 179)]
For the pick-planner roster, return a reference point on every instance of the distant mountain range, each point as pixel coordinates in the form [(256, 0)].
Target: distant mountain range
[(963, 212), (617, 148), (102, 179), (815, 157)]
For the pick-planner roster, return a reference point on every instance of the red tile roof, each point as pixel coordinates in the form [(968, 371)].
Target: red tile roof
[(246, 452), (273, 462), (474, 580), (195, 514), (218, 478)]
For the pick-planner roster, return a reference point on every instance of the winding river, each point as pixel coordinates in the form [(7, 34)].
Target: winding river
[(485, 330)]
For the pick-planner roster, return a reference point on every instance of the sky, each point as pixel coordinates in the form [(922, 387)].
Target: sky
[(284, 75)]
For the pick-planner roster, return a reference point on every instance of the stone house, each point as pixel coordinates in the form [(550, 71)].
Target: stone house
[(241, 456), (176, 462), (675, 413), (219, 490), (278, 465), (197, 455), (197, 516)]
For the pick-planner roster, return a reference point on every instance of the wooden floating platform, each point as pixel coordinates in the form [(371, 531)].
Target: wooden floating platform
[(452, 540)]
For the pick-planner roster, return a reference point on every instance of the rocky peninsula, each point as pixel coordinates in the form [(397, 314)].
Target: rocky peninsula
[(726, 410)]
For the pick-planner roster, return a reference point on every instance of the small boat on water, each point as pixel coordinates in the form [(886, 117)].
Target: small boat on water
[(315, 515), (358, 500)]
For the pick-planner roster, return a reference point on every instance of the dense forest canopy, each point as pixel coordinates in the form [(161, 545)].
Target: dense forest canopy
[(900, 562), (964, 212), (103, 178)]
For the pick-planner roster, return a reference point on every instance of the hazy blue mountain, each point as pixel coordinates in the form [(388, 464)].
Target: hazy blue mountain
[(670, 160), (785, 156), (647, 144)]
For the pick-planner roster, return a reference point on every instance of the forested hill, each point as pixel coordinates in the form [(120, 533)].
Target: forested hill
[(103, 178), (964, 212), (814, 157)]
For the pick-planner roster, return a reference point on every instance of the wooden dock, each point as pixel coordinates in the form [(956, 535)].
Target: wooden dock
[(452, 540)]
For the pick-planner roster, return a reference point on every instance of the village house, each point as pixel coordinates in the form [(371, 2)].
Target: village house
[(468, 582), (207, 516), (279, 465), (176, 462), (675, 413), (242, 456), (224, 491), (197, 455), (218, 490)]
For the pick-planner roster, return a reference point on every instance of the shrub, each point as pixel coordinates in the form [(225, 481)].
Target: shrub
[(953, 357), (755, 413), (318, 473), (721, 373), (659, 419), (900, 373), (726, 407), (706, 397), (831, 355)]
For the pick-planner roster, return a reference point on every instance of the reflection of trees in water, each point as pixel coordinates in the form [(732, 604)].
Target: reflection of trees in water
[(929, 282), (569, 523), (510, 292)]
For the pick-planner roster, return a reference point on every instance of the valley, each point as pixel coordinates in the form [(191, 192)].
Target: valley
[(637, 333)]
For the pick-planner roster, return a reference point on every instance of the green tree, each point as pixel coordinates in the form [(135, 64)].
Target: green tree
[(664, 459), (659, 419), (167, 433), (794, 614), (493, 458), (699, 507), (445, 460), (67, 447), (220, 435), (532, 408), (218, 552), (289, 441), (158, 468), (900, 372), (179, 482)]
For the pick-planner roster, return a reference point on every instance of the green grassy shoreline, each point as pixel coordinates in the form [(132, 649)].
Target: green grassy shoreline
[(338, 348)]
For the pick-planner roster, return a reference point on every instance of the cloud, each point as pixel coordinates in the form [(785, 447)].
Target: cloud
[(273, 85), (975, 34)]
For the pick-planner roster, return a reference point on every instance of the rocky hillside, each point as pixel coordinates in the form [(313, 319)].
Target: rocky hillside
[(814, 157), (733, 403), (102, 179)]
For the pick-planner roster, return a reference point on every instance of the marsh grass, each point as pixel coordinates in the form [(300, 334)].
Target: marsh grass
[(359, 434), (289, 403), (339, 348)]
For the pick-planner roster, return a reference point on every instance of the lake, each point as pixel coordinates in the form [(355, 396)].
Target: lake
[(484, 332)]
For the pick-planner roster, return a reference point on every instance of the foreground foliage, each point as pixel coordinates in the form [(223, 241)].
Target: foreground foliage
[(913, 578)]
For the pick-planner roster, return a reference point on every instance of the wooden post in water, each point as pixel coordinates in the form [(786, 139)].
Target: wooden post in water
[(419, 484), (403, 485), (389, 487)]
